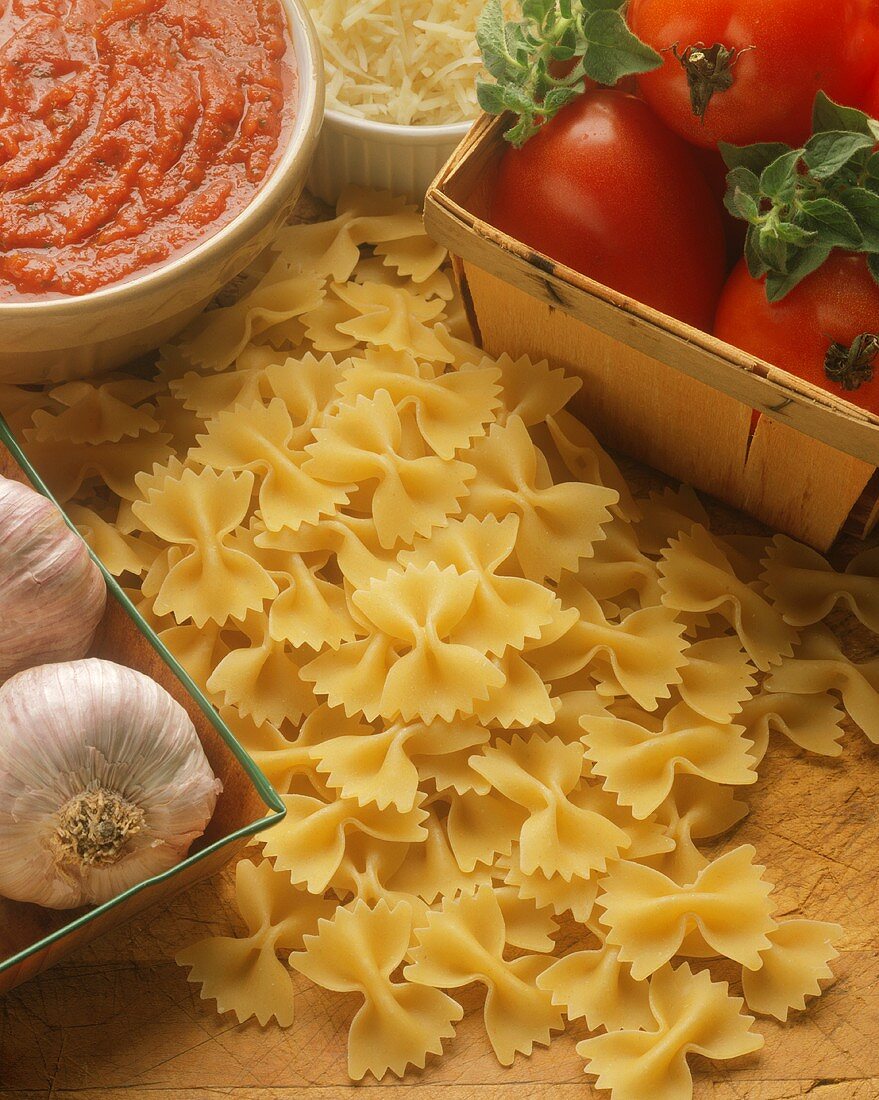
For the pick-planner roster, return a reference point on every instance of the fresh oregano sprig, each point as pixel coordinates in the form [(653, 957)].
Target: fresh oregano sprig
[(590, 37), (800, 204)]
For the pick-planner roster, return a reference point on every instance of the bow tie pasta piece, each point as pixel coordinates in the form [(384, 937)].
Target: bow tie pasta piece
[(206, 395), (326, 248), (618, 567), (464, 942), (695, 810), (211, 581), (505, 610), (363, 442), (648, 916), (645, 652), (793, 966), (262, 438), (97, 414), (585, 458), (576, 897), (520, 699), (371, 269), (813, 722), (639, 764), (717, 679), (399, 1023), (263, 678), (310, 842), (377, 765), (430, 871), (420, 609), (244, 975), (119, 553), (66, 467), (482, 825), (557, 837), (667, 513), (559, 524), (216, 338), (351, 540), (805, 587), (198, 650), (533, 391), (354, 675), (821, 666), (691, 1014), (417, 257), (280, 760), (306, 385), (697, 577), (596, 986), (450, 409), (385, 316), (526, 925), (310, 611)]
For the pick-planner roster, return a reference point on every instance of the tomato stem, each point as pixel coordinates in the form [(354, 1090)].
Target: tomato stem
[(709, 70), (852, 367)]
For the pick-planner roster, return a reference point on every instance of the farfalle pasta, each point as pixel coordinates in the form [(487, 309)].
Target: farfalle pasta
[(508, 701), (399, 1023), (648, 916), (465, 941)]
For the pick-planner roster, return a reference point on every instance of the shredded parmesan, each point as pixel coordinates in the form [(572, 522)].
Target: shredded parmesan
[(411, 62)]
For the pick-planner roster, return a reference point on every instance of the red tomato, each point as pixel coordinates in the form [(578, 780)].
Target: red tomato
[(835, 305), (715, 171), (607, 190), (786, 51)]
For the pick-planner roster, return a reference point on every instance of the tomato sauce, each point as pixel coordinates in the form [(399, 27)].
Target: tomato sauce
[(130, 130)]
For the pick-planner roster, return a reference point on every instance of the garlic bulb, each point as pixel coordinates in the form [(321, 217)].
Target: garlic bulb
[(52, 594), (103, 783)]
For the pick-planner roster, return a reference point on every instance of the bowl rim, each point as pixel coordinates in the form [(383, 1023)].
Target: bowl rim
[(396, 132), (264, 205)]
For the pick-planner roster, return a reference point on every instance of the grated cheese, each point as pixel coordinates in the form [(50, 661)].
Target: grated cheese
[(410, 62)]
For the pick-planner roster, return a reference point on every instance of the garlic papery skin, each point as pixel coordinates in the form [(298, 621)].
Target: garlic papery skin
[(103, 783), (52, 595)]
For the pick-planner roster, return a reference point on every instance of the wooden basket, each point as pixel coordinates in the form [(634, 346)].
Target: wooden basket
[(655, 388)]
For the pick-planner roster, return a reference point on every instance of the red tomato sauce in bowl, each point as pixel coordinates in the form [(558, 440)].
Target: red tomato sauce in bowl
[(132, 130)]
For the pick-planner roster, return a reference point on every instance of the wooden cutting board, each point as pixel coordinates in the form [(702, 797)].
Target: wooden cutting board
[(119, 1019)]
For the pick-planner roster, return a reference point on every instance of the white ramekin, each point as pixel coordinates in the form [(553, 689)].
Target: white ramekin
[(401, 159)]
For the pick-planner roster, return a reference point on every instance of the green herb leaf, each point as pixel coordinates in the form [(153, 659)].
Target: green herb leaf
[(826, 153), (778, 180), (863, 205), (491, 41), (612, 51), (828, 116), (518, 54), (873, 265), (800, 204), (835, 224), (743, 185), (780, 284), (756, 158)]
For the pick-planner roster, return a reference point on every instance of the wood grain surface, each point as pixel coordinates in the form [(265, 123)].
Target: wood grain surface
[(118, 1019)]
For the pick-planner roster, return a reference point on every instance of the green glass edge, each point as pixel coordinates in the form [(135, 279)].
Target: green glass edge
[(264, 789)]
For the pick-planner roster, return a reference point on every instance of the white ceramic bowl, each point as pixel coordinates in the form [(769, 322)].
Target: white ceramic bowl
[(401, 159), (74, 337)]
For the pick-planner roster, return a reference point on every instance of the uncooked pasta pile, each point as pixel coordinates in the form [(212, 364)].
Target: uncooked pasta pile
[(497, 692)]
